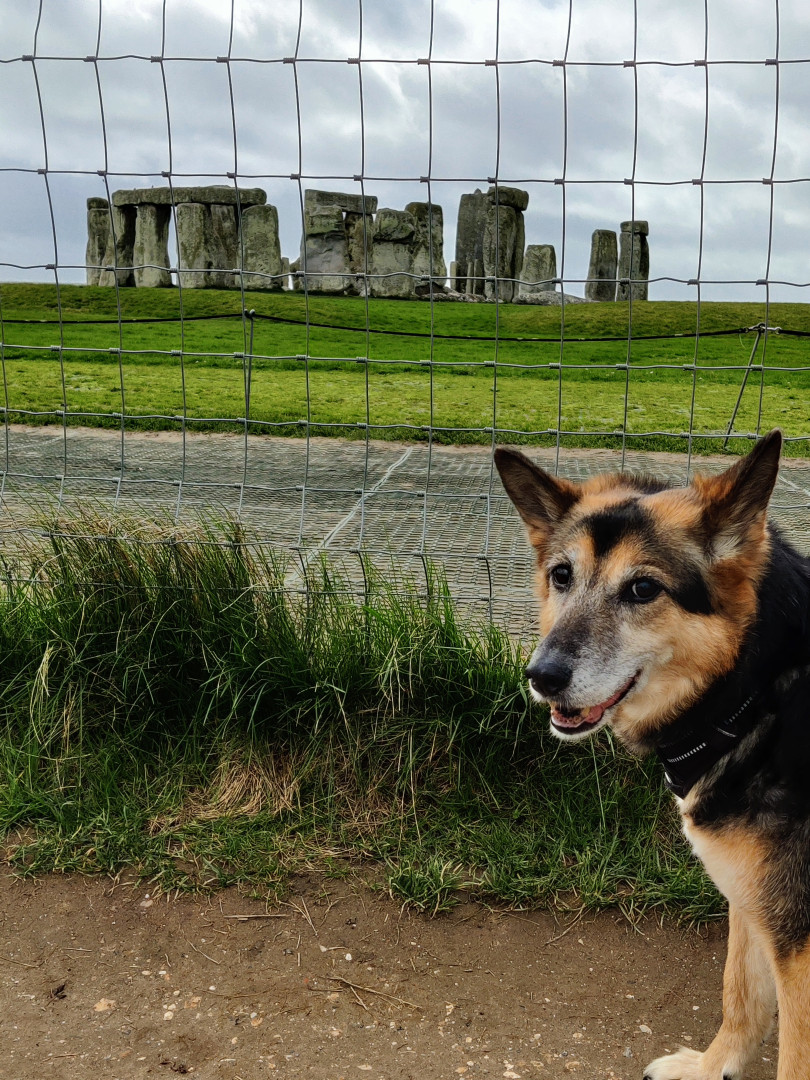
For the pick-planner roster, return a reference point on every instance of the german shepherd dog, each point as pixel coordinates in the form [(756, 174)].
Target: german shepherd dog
[(681, 618)]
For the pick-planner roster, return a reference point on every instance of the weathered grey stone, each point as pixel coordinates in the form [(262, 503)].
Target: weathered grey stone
[(295, 276), (539, 271), (259, 248), (391, 269), (637, 226), (174, 196), (393, 225), (634, 261), (285, 272), (354, 204), (520, 246), (322, 222), (552, 299), (517, 198), (332, 247), (359, 238), (120, 245), (325, 262), (150, 254), (207, 241), (472, 212), (478, 274), (223, 247), (602, 269), (391, 255), (192, 223), (428, 242), (500, 236), (98, 237)]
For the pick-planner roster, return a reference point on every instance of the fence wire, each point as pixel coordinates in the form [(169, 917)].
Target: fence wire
[(384, 479)]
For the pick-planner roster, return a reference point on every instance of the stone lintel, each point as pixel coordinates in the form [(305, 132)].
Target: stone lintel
[(641, 227), (517, 198), (315, 200), (213, 194)]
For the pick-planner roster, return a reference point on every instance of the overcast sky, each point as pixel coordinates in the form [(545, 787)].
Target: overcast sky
[(594, 121)]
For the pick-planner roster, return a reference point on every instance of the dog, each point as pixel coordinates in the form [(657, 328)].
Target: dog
[(679, 616)]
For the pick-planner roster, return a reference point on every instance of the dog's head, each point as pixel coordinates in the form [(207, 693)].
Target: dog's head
[(646, 592)]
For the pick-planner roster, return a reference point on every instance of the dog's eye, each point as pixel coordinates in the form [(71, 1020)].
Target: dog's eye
[(561, 576), (641, 591)]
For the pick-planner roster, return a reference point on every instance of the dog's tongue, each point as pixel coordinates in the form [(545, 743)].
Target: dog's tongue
[(590, 717)]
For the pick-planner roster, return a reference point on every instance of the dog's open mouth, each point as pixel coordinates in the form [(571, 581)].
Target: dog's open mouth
[(577, 722)]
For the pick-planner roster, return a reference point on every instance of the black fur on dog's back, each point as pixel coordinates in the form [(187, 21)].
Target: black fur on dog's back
[(764, 785)]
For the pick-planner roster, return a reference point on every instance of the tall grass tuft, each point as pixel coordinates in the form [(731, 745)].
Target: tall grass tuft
[(188, 702)]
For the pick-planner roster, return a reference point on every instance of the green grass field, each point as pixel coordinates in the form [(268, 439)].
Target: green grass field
[(471, 384)]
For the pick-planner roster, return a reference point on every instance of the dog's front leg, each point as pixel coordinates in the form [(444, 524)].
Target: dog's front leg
[(793, 991), (749, 1003)]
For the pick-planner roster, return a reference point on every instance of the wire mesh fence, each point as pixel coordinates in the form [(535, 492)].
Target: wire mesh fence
[(350, 407)]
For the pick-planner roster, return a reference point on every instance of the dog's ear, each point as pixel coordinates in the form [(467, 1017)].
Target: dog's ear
[(541, 499), (736, 501)]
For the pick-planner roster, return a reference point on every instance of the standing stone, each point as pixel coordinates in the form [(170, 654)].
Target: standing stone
[(634, 261), (138, 227), (335, 248), (191, 222), (472, 212), (151, 248), (98, 237), (428, 242), (500, 236), (120, 245), (207, 242), (394, 226), (223, 246), (504, 237), (601, 283), (359, 229), (325, 251), (520, 247), (392, 254), (285, 273), (259, 249), (539, 271)]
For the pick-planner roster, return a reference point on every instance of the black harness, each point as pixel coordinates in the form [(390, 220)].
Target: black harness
[(699, 745)]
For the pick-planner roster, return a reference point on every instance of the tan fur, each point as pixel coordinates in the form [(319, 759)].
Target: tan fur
[(694, 651), (749, 1003), (793, 992), (715, 533)]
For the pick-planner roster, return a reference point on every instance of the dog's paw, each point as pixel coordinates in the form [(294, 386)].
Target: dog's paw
[(685, 1065)]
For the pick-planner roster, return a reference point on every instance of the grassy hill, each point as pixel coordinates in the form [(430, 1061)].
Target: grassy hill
[(162, 357)]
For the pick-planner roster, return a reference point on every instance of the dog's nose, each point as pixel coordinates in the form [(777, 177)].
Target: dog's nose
[(549, 675)]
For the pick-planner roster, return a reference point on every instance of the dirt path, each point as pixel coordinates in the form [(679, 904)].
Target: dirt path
[(104, 981)]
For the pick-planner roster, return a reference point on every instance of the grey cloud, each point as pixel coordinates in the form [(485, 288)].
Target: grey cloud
[(543, 107)]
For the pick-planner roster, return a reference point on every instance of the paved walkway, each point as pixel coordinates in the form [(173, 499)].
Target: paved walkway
[(398, 503)]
